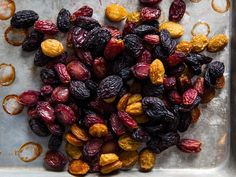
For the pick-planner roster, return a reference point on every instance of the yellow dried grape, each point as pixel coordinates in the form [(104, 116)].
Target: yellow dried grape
[(199, 43), (79, 132), (73, 151), (134, 17), (157, 72), (135, 109), (184, 46), (128, 158), (71, 138), (123, 102), (134, 98), (111, 167), (52, 47), (147, 160), (108, 158), (98, 130), (127, 143), (217, 43), (78, 167), (115, 12), (176, 30)]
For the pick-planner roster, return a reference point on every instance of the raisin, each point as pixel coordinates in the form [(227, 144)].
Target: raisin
[(46, 27), (152, 39), (62, 73), (155, 129), (189, 96), (65, 114), (150, 89), (163, 142), (167, 43), (79, 90), (126, 74), (197, 59), (78, 71), (127, 120), (184, 121), (141, 70), (84, 11), (133, 45), (116, 125), (40, 59), (150, 14), (145, 57), (60, 94), (29, 98), (142, 30), (177, 10), (24, 19), (96, 41), (84, 56), (92, 119), (113, 48), (54, 142), (101, 106), (92, 148), (78, 37), (129, 27), (189, 145), (150, 2), (184, 83), (141, 135), (87, 23), (63, 20), (175, 59), (115, 33), (216, 69), (110, 86), (199, 85), (169, 83), (100, 67), (46, 112), (49, 76), (175, 97), (55, 160), (92, 86), (56, 129), (33, 41), (39, 127)]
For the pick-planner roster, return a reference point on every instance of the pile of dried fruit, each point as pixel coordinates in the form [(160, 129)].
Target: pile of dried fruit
[(117, 91)]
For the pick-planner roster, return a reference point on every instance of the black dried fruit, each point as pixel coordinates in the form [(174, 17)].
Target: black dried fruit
[(133, 45), (197, 59), (150, 89), (79, 90), (216, 69), (109, 87), (54, 142), (49, 76), (167, 43), (40, 59), (92, 86), (96, 41), (177, 10), (87, 23), (63, 20), (55, 160), (39, 127), (159, 52), (33, 41), (24, 19), (141, 135), (184, 121), (144, 29), (125, 74), (155, 129)]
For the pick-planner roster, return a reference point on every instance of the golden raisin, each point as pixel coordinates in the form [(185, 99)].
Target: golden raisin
[(73, 140), (184, 46), (128, 158), (123, 102), (116, 12), (52, 47), (141, 119), (220, 82), (195, 113), (111, 167), (147, 160), (157, 72), (135, 109), (79, 133), (208, 95), (78, 167), (176, 30), (199, 43), (217, 43), (106, 159), (134, 98), (134, 17), (73, 151), (98, 130), (127, 143)]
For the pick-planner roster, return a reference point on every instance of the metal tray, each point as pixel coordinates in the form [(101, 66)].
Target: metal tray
[(216, 128)]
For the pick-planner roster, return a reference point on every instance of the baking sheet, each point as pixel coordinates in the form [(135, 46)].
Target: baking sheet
[(212, 129)]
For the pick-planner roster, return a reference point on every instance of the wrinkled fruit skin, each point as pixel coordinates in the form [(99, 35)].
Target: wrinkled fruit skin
[(167, 43), (65, 114), (78, 71), (127, 120), (141, 70), (150, 14), (177, 10), (133, 44), (60, 94), (62, 73), (150, 2), (100, 67), (84, 11), (87, 23), (33, 41), (24, 19), (116, 125), (79, 90), (92, 148), (46, 27), (39, 127), (49, 76), (54, 142), (63, 20), (113, 48), (46, 112), (55, 160), (189, 145), (189, 96), (78, 37), (29, 98)]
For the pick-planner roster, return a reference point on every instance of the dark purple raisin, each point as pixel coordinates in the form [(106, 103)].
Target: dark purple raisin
[(46, 111), (92, 86), (109, 87), (39, 127), (150, 89), (177, 10), (167, 43), (55, 160), (142, 30), (141, 135), (40, 59), (24, 19), (197, 59), (49, 76), (216, 69), (56, 129), (78, 36), (65, 114), (92, 119), (126, 74), (184, 121), (159, 52), (87, 23), (92, 147), (116, 125), (84, 56), (133, 45), (33, 41), (79, 90), (63, 20), (155, 129), (54, 142)]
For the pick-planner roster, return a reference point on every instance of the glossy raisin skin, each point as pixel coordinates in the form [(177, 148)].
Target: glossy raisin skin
[(39, 127), (133, 45), (141, 135), (40, 59), (177, 10), (55, 142), (116, 125), (92, 148), (109, 87), (78, 36), (46, 27), (63, 20), (55, 160), (87, 23), (49, 76), (24, 19), (142, 30), (33, 41), (79, 90), (167, 43), (84, 11)]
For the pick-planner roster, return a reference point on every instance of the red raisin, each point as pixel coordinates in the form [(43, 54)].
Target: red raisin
[(177, 10), (189, 145), (46, 27), (55, 160), (100, 68), (91, 119), (46, 90), (29, 98), (62, 73), (78, 71), (84, 11), (84, 56), (150, 14), (116, 125), (65, 114), (60, 94), (169, 83), (145, 57), (46, 112), (113, 48), (199, 85), (175, 59), (141, 70), (189, 96), (127, 120), (152, 39)]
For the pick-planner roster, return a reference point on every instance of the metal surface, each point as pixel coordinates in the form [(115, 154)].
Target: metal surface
[(216, 128)]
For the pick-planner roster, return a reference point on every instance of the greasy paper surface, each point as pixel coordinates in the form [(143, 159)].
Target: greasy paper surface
[(212, 128)]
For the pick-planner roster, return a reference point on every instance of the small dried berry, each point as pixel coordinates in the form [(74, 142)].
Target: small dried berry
[(108, 158), (199, 43), (175, 97), (54, 142), (63, 20), (141, 70), (24, 19), (177, 10), (217, 43), (92, 147), (46, 27), (115, 12), (78, 167), (98, 130), (208, 95), (127, 120), (33, 41), (195, 113), (189, 145), (150, 14), (100, 67), (127, 143), (29, 98), (128, 158), (79, 132), (87, 23), (169, 83), (40, 59), (184, 46), (79, 90), (220, 82), (199, 85), (71, 138), (147, 160), (45, 111), (111, 167), (134, 109), (92, 119), (78, 71), (56, 129), (157, 72), (49, 76), (189, 96), (152, 39), (167, 43), (116, 125), (133, 44), (62, 73), (143, 30), (110, 147), (60, 94), (134, 17), (65, 114), (176, 30), (78, 37), (52, 48), (113, 48), (175, 59), (84, 11), (141, 135), (84, 56), (55, 160), (38, 127)]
